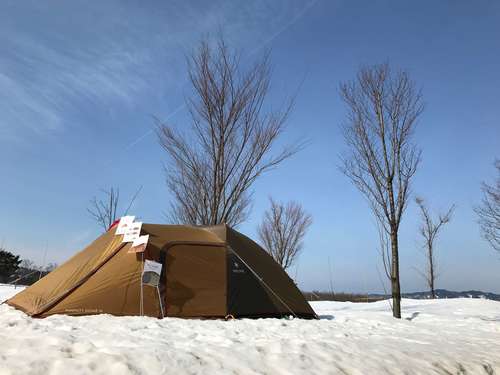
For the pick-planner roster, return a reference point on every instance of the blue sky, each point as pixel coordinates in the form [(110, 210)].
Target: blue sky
[(81, 82)]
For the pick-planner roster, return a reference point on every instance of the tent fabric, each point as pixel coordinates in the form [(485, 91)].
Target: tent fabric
[(196, 281), (280, 297), (113, 289), (63, 279), (208, 272)]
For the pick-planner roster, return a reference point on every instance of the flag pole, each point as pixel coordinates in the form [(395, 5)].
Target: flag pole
[(141, 307)]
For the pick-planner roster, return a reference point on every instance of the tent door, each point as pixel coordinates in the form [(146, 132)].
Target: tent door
[(195, 280)]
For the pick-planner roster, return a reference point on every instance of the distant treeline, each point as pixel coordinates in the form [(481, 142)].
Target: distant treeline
[(14, 270), (30, 275), (341, 297), (439, 293)]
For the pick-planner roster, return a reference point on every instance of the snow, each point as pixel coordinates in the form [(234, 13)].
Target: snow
[(449, 336), (7, 291)]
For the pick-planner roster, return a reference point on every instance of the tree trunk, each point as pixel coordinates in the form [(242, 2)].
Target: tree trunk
[(433, 291), (431, 274), (396, 289)]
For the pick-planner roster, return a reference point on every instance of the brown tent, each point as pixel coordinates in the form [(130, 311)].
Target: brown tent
[(209, 272)]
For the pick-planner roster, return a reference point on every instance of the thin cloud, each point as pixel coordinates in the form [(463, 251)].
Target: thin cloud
[(51, 69), (39, 83)]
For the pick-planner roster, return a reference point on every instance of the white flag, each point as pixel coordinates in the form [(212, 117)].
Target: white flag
[(139, 244), (124, 224), (133, 232)]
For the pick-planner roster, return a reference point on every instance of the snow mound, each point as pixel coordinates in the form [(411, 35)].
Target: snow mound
[(457, 336)]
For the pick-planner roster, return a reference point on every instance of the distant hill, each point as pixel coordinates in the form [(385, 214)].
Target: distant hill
[(443, 293)]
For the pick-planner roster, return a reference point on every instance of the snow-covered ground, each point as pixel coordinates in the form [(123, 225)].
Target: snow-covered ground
[(454, 336)]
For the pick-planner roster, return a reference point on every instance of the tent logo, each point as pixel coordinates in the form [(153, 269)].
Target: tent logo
[(237, 269)]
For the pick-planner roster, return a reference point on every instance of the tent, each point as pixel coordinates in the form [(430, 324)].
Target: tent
[(206, 272)]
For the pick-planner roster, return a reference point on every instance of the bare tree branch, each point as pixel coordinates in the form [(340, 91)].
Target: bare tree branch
[(383, 108), (105, 211), (132, 200), (489, 211), (212, 167), (384, 249), (429, 230), (282, 231)]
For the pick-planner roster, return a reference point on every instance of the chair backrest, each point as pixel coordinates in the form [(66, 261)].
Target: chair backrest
[(151, 278)]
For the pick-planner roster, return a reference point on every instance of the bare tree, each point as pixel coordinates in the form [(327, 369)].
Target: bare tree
[(383, 108), (229, 144), (489, 211), (28, 264), (105, 211), (282, 231), (50, 267), (429, 230)]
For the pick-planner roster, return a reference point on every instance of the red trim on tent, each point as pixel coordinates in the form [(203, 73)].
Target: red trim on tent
[(114, 224)]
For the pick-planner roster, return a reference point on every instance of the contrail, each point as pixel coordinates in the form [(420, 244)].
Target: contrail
[(286, 27), (149, 132), (265, 42)]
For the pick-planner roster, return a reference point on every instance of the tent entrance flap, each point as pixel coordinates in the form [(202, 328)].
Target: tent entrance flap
[(196, 281)]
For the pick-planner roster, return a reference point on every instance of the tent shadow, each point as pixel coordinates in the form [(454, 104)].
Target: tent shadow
[(326, 317), (413, 316)]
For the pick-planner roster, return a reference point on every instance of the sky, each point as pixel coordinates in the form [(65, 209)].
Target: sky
[(82, 83)]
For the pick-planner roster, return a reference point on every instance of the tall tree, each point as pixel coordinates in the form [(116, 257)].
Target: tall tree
[(105, 211), (9, 263), (429, 229), (383, 108), (489, 211), (230, 138), (282, 231)]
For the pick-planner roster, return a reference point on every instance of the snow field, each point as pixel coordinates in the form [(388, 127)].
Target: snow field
[(457, 336)]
